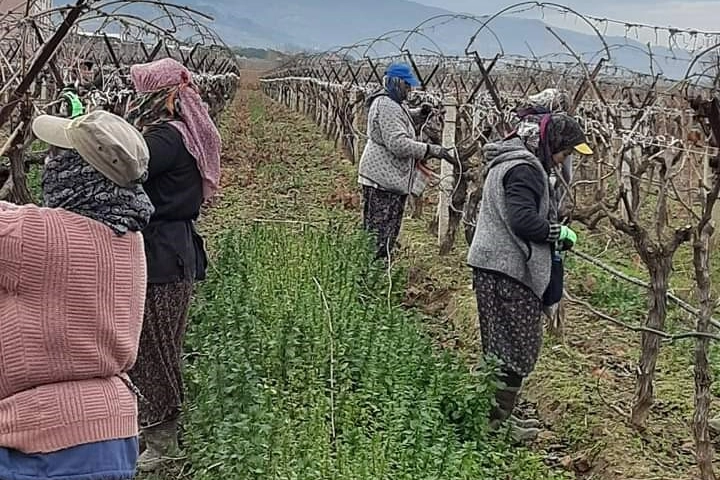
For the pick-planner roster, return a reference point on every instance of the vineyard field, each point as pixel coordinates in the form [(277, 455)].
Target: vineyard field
[(305, 359), (579, 390)]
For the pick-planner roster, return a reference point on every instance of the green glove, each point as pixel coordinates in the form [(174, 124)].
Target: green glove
[(76, 107), (567, 238)]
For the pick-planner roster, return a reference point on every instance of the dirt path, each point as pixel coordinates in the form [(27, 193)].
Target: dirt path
[(278, 167)]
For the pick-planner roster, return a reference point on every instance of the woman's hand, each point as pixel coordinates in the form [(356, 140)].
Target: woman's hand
[(567, 238), (438, 151)]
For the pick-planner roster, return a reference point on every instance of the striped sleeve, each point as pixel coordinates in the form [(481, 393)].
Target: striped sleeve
[(554, 234)]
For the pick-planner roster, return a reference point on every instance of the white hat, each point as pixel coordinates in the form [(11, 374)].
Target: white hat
[(106, 141)]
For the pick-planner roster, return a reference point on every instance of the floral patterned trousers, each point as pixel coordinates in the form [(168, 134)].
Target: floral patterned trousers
[(157, 373), (511, 324), (382, 216)]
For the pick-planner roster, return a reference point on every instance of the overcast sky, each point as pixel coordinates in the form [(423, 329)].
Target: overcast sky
[(699, 14)]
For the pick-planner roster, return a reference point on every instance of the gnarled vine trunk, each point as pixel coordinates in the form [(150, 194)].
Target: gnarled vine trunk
[(659, 267), (703, 380)]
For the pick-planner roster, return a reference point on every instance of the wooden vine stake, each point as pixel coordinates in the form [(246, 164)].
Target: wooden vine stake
[(447, 177), (356, 125)]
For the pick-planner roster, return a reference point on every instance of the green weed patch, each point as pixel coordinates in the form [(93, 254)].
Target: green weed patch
[(303, 365)]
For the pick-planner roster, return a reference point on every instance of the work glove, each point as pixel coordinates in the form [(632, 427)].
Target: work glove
[(567, 238), (442, 153)]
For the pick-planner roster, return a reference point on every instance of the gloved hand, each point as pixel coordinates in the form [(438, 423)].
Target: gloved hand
[(438, 151), (567, 238), (426, 109)]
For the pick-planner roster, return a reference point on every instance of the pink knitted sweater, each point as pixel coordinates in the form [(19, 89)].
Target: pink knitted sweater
[(72, 295)]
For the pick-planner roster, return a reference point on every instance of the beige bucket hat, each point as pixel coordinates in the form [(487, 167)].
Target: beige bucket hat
[(106, 141)]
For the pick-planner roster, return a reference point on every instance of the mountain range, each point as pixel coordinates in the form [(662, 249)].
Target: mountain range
[(319, 25)]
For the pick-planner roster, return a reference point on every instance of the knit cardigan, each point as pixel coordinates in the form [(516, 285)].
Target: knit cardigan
[(72, 298), (392, 151)]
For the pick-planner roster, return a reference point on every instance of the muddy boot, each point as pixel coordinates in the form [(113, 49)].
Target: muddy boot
[(521, 434), (161, 447), (525, 423), (524, 430), (505, 403), (520, 431)]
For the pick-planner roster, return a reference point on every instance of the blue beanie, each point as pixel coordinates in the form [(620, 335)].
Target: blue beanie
[(403, 72)]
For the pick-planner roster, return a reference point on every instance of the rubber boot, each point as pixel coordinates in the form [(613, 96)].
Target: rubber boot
[(525, 423), (505, 398), (161, 447), (521, 434), (521, 431)]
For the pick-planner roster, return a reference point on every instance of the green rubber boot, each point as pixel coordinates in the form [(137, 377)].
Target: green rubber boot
[(161, 447), (520, 434), (525, 423), (521, 431), (505, 398)]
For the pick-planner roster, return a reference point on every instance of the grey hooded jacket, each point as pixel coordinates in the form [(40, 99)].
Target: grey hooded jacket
[(495, 246), (392, 150)]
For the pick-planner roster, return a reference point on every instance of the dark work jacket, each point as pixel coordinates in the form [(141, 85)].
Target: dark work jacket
[(524, 187), (174, 250)]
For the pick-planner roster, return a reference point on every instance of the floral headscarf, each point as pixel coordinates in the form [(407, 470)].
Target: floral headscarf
[(166, 93), (71, 183), (548, 134)]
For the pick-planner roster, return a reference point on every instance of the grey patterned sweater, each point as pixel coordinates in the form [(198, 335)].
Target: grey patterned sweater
[(495, 246), (392, 150)]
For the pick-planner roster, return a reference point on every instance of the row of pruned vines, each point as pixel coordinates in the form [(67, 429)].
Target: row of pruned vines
[(653, 180)]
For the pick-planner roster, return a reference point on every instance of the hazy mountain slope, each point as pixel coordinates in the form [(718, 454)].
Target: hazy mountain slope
[(320, 25)]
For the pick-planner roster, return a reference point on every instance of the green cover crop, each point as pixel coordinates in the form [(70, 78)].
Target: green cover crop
[(303, 365)]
